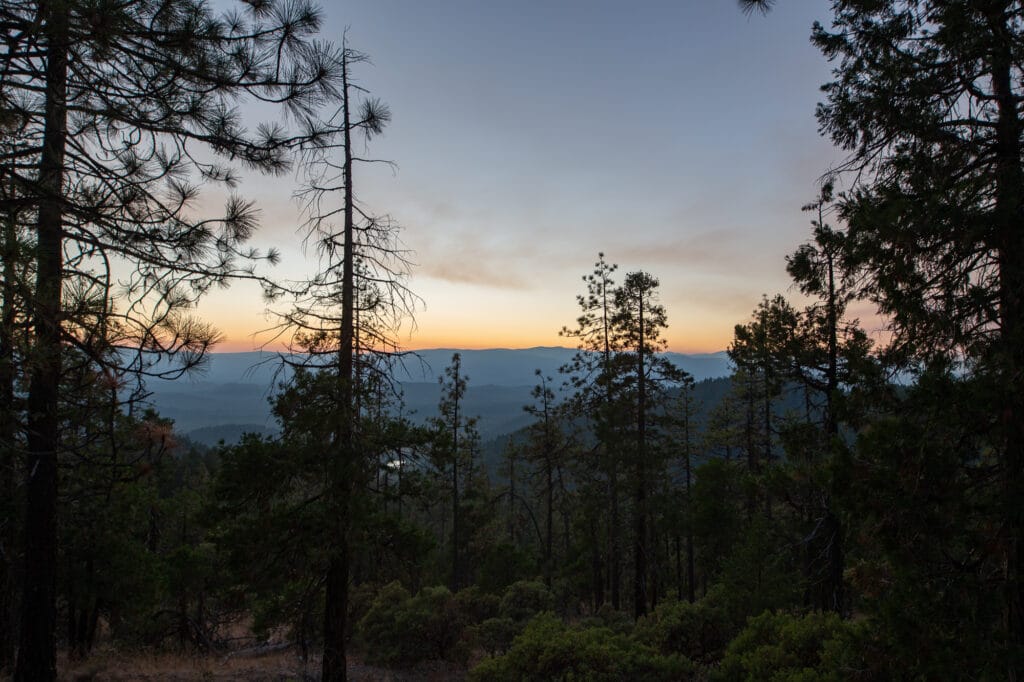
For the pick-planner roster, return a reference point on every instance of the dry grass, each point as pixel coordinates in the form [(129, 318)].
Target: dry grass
[(119, 666), (110, 665)]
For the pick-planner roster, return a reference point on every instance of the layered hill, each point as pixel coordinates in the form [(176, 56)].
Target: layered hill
[(230, 395)]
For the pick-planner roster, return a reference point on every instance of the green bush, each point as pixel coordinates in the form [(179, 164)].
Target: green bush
[(494, 635), (699, 631), (475, 605), (782, 647), (360, 599), (399, 629), (380, 630), (548, 649), (525, 599), (607, 616)]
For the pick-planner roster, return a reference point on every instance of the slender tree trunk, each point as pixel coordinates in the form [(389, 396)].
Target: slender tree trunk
[(615, 538), (511, 494), (343, 467), (549, 519), (566, 531), (37, 650), (456, 583), (597, 579), (833, 527), (767, 412), (677, 545), (8, 446), (456, 539), (690, 587), (653, 561), (640, 512), (1009, 218), (615, 544), (753, 465), (335, 613)]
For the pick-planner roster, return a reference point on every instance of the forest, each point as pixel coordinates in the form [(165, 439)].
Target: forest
[(847, 505)]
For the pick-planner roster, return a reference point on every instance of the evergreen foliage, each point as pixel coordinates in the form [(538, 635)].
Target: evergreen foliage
[(841, 508)]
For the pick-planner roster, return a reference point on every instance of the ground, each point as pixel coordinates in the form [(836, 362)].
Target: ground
[(284, 666)]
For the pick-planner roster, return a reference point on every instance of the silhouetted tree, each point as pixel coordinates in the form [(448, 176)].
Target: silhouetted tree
[(926, 98), (591, 373), (638, 322), (112, 103), (455, 442), (546, 449), (345, 318)]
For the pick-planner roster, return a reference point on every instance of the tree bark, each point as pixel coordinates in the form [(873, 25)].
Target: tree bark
[(1009, 221), (335, 613), (343, 468), (37, 650), (8, 449)]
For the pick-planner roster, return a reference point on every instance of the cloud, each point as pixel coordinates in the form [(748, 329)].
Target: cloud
[(708, 248), (471, 256)]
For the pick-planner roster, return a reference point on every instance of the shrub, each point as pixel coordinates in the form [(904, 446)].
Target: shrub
[(607, 616), (548, 649), (525, 599), (699, 631), (399, 629), (475, 605), (380, 629), (494, 635), (360, 599), (782, 647)]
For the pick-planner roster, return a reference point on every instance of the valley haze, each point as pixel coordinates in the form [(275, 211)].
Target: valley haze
[(230, 394)]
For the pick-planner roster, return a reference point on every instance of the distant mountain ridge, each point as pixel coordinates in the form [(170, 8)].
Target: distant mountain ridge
[(233, 388), (515, 367), (496, 366)]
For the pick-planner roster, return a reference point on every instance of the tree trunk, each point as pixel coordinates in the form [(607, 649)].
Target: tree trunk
[(335, 612), (549, 520), (1009, 218), (511, 494), (456, 538), (343, 468), (753, 465), (640, 512), (37, 650), (8, 449), (615, 544), (595, 565), (690, 587), (833, 528)]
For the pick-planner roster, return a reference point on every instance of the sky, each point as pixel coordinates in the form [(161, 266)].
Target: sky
[(677, 137)]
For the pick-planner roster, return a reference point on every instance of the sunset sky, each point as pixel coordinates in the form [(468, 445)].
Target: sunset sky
[(676, 137)]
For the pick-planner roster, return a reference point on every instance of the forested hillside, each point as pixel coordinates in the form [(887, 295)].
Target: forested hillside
[(231, 394), (847, 503)]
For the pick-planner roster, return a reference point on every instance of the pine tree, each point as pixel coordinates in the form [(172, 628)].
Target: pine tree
[(643, 375), (761, 350), (455, 441), (345, 317), (926, 98), (545, 450), (591, 373), (109, 101)]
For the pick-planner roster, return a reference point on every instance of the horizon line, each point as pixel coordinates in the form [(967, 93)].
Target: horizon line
[(215, 351)]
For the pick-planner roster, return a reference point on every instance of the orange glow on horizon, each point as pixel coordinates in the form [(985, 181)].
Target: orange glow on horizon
[(709, 341)]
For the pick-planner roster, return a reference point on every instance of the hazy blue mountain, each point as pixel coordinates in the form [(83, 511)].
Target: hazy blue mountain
[(505, 367), (230, 393)]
